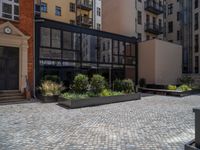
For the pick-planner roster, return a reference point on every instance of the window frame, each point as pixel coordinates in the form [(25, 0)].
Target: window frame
[(13, 15)]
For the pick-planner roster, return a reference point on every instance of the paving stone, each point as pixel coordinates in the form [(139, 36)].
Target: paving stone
[(153, 123)]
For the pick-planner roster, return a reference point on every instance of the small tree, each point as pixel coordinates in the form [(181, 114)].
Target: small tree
[(80, 83), (98, 83)]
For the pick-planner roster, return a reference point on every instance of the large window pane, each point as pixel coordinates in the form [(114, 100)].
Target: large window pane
[(106, 50), (50, 53), (115, 47), (71, 55), (56, 38), (45, 37), (76, 41), (67, 40), (90, 46), (121, 48)]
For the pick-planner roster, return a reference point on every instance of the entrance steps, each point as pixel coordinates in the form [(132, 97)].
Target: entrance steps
[(10, 97)]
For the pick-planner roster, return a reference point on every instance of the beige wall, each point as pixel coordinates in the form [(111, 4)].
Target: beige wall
[(116, 16), (66, 14), (120, 16), (147, 68), (160, 62)]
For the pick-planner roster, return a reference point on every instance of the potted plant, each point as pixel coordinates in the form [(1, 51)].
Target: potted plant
[(50, 91)]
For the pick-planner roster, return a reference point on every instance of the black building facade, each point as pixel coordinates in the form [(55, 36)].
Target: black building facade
[(65, 50)]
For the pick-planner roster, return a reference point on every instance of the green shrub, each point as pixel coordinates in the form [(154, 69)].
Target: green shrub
[(142, 82), (171, 87), (53, 78), (74, 96), (50, 88), (80, 83), (98, 83), (186, 80), (106, 92), (128, 86), (118, 85), (184, 88)]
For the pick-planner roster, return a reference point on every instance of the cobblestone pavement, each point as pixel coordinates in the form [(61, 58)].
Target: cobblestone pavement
[(153, 123)]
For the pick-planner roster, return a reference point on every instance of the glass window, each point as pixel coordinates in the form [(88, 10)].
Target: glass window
[(56, 38), (9, 9), (67, 40), (58, 11), (45, 37), (43, 7), (46, 53)]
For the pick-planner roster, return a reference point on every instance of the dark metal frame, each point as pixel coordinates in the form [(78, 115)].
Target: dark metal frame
[(80, 30)]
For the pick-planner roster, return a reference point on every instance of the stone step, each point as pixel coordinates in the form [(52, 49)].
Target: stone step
[(9, 91), (11, 101), (13, 97), (10, 94)]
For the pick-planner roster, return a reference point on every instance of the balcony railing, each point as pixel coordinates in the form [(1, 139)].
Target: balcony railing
[(154, 7), (84, 21), (86, 5), (153, 28)]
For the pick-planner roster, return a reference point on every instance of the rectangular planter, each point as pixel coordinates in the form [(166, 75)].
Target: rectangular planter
[(94, 101), (168, 92), (48, 99)]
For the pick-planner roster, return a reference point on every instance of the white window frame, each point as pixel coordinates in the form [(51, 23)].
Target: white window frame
[(13, 4)]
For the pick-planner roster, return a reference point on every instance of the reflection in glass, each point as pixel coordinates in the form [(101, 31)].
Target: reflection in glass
[(46, 53), (45, 37), (56, 42)]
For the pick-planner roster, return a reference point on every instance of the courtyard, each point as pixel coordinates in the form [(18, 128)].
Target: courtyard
[(152, 123)]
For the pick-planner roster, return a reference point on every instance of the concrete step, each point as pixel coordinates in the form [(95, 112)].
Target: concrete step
[(10, 94), (9, 91), (10, 97), (13, 97), (16, 101)]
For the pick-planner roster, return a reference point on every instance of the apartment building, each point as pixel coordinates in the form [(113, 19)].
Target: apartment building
[(172, 21), (139, 18), (196, 36), (85, 13), (182, 27), (16, 45)]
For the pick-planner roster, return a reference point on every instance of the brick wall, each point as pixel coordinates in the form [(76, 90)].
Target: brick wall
[(26, 25)]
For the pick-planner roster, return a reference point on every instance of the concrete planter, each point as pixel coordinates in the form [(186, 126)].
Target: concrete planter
[(168, 92), (94, 101), (195, 144), (48, 99)]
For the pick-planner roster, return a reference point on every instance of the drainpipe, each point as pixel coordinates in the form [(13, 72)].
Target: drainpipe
[(197, 126), (34, 53)]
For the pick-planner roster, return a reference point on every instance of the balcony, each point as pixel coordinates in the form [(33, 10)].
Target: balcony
[(86, 5), (37, 10), (154, 7), (153, 28), (84, 21)]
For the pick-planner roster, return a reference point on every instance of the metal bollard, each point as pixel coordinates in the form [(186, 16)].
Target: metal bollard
[(197, 126)]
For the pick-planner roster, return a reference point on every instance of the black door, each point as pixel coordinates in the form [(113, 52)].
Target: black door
[(9, 68)]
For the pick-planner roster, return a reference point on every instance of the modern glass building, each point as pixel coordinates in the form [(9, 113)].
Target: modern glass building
[(65, 50)]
